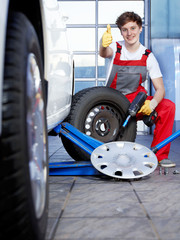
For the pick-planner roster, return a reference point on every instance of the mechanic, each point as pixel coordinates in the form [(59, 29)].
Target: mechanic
[(130, 63)]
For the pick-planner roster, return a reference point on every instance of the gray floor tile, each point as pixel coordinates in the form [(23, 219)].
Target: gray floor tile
[(100, 208), (57, 196), (59, 238), (52, 223), (159, 195), (163, 209), (55, 209), (104, 209), (61, 187), (61, 179), (104, 228), (103, 196), (113, 187), (97, 179), (151, 186), (168, 228)]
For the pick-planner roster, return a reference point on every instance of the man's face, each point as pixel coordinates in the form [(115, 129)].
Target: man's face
[(130, 32)]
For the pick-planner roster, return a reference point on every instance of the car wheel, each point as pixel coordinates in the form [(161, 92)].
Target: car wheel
[(99, 112), (24, 156)]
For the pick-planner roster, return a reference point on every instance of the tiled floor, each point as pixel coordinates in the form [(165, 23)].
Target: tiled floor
[(100, 208)]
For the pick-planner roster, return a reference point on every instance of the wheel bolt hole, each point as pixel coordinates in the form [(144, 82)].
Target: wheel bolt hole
[(103, 166), (137, 173), (149, 165), (118, 173)]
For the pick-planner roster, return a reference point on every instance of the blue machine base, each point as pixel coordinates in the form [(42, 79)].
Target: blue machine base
[(72, 168)]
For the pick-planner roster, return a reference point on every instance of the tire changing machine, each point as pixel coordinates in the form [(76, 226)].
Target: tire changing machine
[(122, 160)]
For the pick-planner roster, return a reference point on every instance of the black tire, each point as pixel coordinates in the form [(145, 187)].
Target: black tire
[(108, 108), (24, 156)]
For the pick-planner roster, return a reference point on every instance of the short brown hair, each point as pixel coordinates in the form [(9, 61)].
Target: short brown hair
[(128, 17)]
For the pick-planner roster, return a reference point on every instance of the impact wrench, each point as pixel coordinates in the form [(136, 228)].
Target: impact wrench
[(133, 109)]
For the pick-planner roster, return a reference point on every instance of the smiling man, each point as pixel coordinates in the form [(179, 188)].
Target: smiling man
[(131, 63)]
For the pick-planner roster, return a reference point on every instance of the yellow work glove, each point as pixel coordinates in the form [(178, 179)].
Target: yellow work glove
[(107, 37), (148, 107)]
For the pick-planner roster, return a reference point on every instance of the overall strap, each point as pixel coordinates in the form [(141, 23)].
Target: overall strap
[(119, 47), (145, 55), (118, 53)]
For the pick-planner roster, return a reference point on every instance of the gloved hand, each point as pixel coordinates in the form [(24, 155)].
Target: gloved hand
[(148, 107), (107, 37)]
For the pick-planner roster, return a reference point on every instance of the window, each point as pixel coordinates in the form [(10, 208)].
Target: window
[(84, 66), (165, 19), (110, 10), (82, 39), (79, 12), (87, 21)]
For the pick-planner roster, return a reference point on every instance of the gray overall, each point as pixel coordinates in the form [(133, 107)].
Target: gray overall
[(127, 75)]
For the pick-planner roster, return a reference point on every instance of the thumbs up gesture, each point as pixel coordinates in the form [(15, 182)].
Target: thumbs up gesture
[(107, 37)]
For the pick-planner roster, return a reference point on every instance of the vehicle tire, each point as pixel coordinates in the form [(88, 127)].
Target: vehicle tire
[(24, 156), (99, 112)]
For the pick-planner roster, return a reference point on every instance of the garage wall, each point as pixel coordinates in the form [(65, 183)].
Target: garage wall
[(165, 44)]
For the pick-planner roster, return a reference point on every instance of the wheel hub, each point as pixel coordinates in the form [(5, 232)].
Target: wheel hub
[(102, 127), (36, 135), (103, 123)]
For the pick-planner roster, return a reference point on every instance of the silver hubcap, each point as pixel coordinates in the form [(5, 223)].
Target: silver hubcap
[(124, 160), (36, 135)]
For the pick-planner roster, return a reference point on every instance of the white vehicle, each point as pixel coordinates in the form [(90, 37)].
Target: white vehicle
[(36, 70), (36, 73)]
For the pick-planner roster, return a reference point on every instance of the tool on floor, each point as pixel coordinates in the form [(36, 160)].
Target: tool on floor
[(176, 172)]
